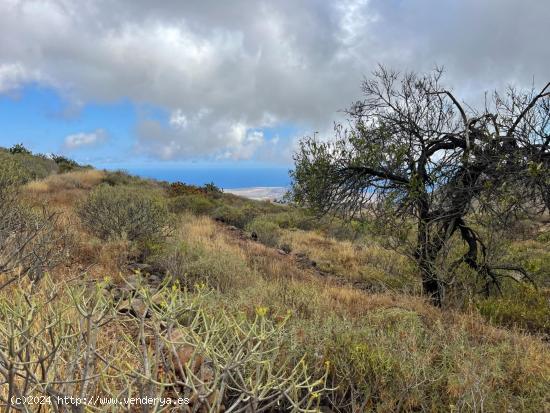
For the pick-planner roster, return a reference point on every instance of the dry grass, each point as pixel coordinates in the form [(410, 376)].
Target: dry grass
[(62, 193), (387, 350), (85, 179), (380, 268), (456, 360), (63, 190), (197, 253), (203, 231), (280, 277)]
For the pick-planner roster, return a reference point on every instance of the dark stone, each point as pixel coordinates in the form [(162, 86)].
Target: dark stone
[(141, 267)]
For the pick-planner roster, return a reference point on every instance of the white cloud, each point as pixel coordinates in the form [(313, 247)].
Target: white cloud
[(178, 119), (81, 139), (243, 142), (13, 75), (216, 65), (226, 139)]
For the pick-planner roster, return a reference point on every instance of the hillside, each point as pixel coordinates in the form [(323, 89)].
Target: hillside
[(119, 287)]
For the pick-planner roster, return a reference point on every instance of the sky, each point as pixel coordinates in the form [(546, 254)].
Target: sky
[(160, 84)]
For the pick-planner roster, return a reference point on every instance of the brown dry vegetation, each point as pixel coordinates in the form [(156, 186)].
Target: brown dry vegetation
[(336, 325), (63, 190)]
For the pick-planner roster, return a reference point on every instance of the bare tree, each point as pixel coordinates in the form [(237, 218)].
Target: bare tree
[(412, 152)]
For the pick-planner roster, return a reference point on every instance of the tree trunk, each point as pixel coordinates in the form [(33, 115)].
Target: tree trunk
[(425, 257), (430, 283)]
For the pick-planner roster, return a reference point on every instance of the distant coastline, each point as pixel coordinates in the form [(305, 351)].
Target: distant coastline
[(259, 193)]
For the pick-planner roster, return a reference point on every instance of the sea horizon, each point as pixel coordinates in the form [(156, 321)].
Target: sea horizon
[(227, 177)]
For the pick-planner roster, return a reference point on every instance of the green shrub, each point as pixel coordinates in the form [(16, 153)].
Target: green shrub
[(211, 188), (268, 232), (120, 177), (523, 307), (362, 368), (543, 237), (302, 219), (534, 256), (340, 231), (30, 243), (234, 361), (65, 164), (11, 172), (238, 217), (285, 219), (123, 213), (27, 167), (198, 204), (38, 167), (19, 148), (180, 188), (195, 265)]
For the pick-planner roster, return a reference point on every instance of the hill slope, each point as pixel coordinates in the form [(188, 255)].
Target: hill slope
[(238, 304)]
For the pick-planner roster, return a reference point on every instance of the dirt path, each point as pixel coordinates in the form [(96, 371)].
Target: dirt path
[(297, 265)]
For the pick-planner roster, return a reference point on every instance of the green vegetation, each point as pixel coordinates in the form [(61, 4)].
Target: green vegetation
[(526, 308), (195, 265), (163, 291), (389, 358), (37, 166), (18, 148), (116, 178), (28, 167), (123, 213), (198, 204), (12, 172), (30, 243), (265, 230), (65, 164), (424, 167)]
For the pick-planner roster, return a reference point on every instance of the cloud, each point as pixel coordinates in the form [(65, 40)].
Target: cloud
[(85, 139), (185, 136), (222, 70), (13, 75)]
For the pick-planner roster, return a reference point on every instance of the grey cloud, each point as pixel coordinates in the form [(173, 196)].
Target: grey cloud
[(186, 136), (250, 64), (480, 42)]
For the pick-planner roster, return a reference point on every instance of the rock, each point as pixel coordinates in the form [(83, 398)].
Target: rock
[(154, 279), (139, 308), (139, 267), (179, 353), (282, 252), (135, 307), (286, 248), (182, 353), (131, 282)]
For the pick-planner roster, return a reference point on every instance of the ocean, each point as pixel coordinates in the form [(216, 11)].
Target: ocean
[(222, 176)]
